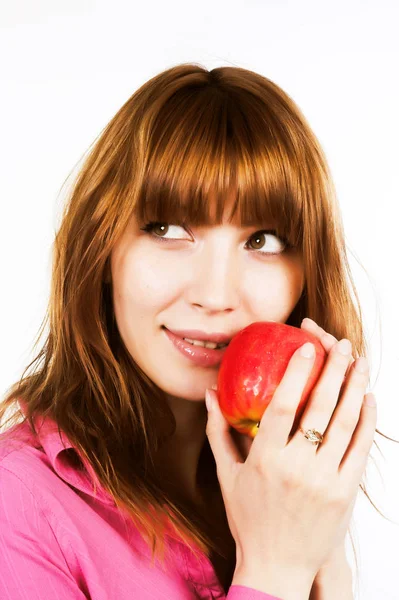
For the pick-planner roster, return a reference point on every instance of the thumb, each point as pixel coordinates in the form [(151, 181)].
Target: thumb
[(220, 439)]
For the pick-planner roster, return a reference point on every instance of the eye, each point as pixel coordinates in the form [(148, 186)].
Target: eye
[(163, 228), (257, 239), (158, 230)]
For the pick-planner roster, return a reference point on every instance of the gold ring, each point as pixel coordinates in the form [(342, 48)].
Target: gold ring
[(315, 437)]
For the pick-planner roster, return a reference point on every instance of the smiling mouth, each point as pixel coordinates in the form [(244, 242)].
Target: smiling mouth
[(201, 343), (198, 354)]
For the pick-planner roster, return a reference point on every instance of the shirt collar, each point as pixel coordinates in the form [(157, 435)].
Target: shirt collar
[(57, 446)]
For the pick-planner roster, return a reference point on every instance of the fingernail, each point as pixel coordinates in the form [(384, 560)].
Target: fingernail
[(344, 347), (208, 400), (307, 350), (361, 364), (370, 400), (309, 321)]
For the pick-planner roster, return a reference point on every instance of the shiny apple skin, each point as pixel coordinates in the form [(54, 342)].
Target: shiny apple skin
[(252, 367)]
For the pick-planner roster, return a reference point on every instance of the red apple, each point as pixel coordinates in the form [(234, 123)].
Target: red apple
[(252, 367)]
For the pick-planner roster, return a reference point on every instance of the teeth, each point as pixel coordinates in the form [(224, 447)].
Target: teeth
[(211, 345)]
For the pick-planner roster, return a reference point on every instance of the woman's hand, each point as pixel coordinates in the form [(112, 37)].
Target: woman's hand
[(289, 503), (244, 442)]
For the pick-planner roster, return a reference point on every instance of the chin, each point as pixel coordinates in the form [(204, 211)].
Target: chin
[(192, 391)]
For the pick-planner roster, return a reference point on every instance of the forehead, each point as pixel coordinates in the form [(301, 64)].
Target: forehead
[(204, 204), (209, 210), (236, 220), (228, 206)]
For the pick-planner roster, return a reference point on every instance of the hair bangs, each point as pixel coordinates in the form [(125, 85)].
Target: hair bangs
[(208, 152)]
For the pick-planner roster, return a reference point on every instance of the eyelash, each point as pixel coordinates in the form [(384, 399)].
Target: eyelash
[(150, 226)]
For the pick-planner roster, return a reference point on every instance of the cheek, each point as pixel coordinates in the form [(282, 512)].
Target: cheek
[(278, 286), (145, 283)]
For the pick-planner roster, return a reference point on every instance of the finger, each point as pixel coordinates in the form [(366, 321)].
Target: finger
[(324, 396), (346, 417), (242, 441), (222, 445), (278, 418), (326, 339), (354, 462)]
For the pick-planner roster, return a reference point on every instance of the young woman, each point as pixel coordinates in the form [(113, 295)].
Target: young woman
[(205, 205)]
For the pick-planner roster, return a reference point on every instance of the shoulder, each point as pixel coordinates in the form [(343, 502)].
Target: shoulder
[(19, 508), (31, 550), (21, 453), (24, 523), (27, 476), (37, 507), (23, 473)]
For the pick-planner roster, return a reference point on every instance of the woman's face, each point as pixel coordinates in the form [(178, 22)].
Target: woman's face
[(213, 279)]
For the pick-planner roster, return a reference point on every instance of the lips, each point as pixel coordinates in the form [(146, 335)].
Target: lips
[(202, 336), (204, 357)]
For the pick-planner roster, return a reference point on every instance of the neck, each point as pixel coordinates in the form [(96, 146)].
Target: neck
[(178, 458)]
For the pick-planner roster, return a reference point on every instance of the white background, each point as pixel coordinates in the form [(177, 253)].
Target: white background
[(68, 66)]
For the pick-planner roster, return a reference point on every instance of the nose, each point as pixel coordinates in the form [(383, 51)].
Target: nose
[(215, 279)]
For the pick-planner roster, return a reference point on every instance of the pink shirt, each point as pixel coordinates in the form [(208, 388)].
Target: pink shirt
[(58, 540)]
